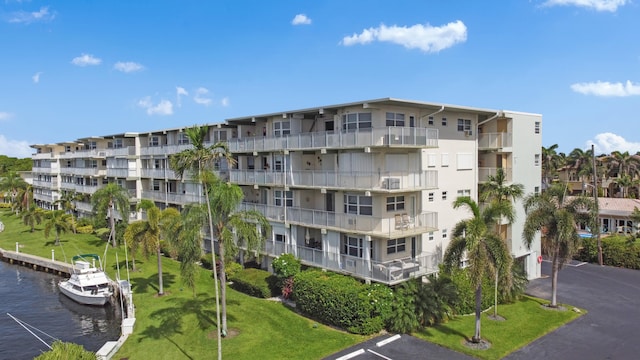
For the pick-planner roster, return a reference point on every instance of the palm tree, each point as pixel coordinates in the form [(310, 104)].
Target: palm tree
[(582, 162), (24, 198), (11, 183), (551, 162), (197, 161), (106, 201), (67, 202), (485, 250), (556, 215), (148, 233), (186, 236), (625, 181), (233, 229), (58, 221), (32, 216)]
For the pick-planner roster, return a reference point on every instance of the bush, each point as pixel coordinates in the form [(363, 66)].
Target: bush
[(231, 269), (255, 282), (342, 301), (286, 266), (102, 233), (466, 303), (5, 205), (88, 229), (205, 261), (617, 250)]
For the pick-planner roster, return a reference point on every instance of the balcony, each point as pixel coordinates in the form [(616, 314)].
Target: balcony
[(158, 174), (45, 184), (374, 226), (164, 149), (83, 171), (485, 172), (89, 154), (372, 137), (84, 189), (122, 152), (44, 170), (83, 206), (173, 198), (41, 156), (495, 141), (50, 198), (385, 181)]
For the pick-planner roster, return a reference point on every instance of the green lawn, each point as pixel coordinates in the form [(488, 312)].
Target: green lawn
[(181, 326), (525, 321)]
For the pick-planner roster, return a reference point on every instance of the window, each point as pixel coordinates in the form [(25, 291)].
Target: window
[(444, 233), (432, 160), (395, 119), (355, 121), (430, 121), (358, 204), (464, 125), (396, 246), (156, 185), (283, 198), (444, 195), (154, 141), (536, 190), (281, 128), (219, 135), (395, 203), (444, 121), (536, 160), (465, 192), (445, 160), (537, 127), (93, 182), (353, 246), (431, 197), (431, 236), (93, 164), (92, 145), (117, 143), (183, 139), (280, 238), (67, 148)]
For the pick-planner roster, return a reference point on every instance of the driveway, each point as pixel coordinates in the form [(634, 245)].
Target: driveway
[(608, 331)]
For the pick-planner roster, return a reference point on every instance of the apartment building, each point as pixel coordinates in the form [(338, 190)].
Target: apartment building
[(363, 188)]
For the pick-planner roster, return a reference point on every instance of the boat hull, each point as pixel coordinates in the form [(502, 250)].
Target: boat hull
[(85, 298)]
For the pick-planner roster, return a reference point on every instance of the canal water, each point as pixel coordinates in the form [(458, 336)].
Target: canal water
[(33, 297)]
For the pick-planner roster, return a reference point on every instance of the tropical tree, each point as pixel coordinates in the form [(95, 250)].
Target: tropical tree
[(581, 161), (551, 162), (233, 229), (24, 198), (197, 161), (106, 201), (186, 236), (148, 233), (476, 239), (57, 221), (32, 216), (67, 202), (624, 182), (557, 216), (11, 183)]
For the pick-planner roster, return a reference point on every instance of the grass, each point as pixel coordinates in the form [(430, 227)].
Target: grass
[(180, 325), (525, 321)]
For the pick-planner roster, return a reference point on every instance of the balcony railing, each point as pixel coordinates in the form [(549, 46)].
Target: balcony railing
[(158, 174), (45, 170), (45, 184), (495, 140), (83, 171), (164, 149), (420, 180), (40, 156), (484, 172), (375, 226), (84, 207), (173, 198), (91, 154), (85, 189), (44, 197), (121, 173), (371, 137), (123, 151)]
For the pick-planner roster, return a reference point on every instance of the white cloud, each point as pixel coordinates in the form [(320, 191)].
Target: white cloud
[(598, 5), (180, 92), (605, 88), (24, 17), (85, 60), (424, 37), (128, 66), (607, 142), (164, 107), (36, 77), (301, 19), (225, 102), (14, 148), (5, 116), (200, 98)]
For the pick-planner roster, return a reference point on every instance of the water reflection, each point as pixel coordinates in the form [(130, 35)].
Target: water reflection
[(91, 319)]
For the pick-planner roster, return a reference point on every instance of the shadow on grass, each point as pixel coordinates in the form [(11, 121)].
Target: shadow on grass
[(142, 285), (53, 242), (444, 329), (171, 318)]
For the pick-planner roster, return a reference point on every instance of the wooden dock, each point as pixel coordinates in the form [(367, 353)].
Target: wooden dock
[(36, 262)]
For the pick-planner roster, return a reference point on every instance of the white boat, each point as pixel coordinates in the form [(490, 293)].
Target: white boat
[(88, 284)]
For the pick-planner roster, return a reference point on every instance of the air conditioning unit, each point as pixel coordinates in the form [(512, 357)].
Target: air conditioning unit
[(468, 133), (391, 183)]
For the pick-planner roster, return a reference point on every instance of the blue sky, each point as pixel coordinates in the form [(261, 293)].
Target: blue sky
[(73, 69)]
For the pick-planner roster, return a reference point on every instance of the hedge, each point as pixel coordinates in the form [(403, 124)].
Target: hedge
[(466, 303), (618, 250), (255, 282), (342, 301)]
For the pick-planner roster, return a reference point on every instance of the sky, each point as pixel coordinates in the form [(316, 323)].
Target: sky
[(73, 69)]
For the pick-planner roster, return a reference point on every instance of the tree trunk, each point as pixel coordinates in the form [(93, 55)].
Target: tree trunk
[(160, 287), (112, 224), (476, 338), (223, 287), (215, 271), (554, 281)]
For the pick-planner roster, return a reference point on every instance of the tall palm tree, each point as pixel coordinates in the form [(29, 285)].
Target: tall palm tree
[(58, 221), (32, 216), (476, 240), (186, 236), (624, 182), (11, 183), (67, 202), (24, 198), (233, 229), (106, 201), (148, 233), (197, 161), (556, 215), (625, 163), (582, 162), (551, 162)]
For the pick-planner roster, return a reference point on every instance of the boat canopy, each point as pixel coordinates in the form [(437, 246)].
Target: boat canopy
[(84, 256)]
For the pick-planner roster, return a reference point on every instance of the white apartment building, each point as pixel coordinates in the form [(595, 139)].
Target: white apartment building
[(363, 188)]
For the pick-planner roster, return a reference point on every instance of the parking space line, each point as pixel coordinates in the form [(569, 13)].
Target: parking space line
[(351, 355), (380, 355), (388, 340)]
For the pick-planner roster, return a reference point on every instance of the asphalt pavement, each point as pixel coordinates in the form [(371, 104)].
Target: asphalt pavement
[(609, 330)]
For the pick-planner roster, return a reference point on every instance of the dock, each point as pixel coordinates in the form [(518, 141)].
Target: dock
[(36, 262)]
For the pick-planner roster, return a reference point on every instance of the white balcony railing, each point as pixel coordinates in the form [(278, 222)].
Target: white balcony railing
[(45, 184), (372, 137), (173, 198), (158, 174), (164, 149), (495, 140), (44, 170), (85, 189), (484, 172), (420, 180), (79, 154), (123, 151), (83, 171), (119, 173)]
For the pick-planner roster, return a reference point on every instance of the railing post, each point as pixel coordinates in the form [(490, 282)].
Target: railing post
[(53, 257), (17, 247)]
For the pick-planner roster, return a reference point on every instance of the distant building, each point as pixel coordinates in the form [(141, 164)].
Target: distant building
[(363, 188)]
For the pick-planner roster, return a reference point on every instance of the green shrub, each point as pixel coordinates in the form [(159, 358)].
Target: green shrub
[(102, 233), (341, 301), (232, 268), (286, 266), (617, 250), (64, 350), (87, 229), (5, 205), (255, 282), (466, 303)]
